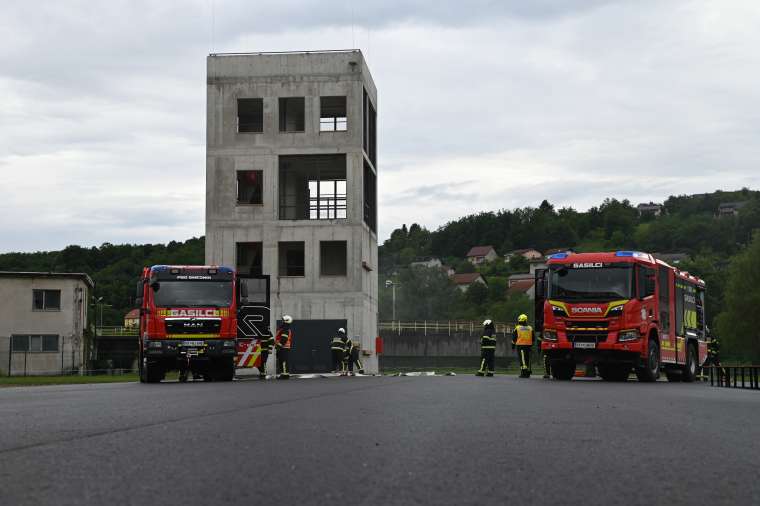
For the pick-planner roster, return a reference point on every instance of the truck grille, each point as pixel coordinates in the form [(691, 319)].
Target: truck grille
[(579, 325), (586, 336), (193, 326)]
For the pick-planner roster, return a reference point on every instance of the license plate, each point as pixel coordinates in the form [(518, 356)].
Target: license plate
[(584, 345), (193, 343)]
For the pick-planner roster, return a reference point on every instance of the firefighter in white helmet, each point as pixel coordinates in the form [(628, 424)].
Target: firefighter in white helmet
[(338, 350), (283, 342), (487, 349)]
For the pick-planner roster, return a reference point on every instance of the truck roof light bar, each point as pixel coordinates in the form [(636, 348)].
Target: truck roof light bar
[(634, 254), (558, 256)]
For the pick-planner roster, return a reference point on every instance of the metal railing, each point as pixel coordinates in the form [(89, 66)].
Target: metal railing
[(735, 376), (440, 327), (117, 331)]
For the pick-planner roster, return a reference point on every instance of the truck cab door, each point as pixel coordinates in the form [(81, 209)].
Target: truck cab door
[(540, 289), (253, 317)]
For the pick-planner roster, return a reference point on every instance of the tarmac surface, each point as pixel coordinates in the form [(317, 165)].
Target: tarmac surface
[(384, 440)]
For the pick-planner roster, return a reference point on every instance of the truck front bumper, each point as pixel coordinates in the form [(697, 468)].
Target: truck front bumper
[(197, 348), (625, 352)]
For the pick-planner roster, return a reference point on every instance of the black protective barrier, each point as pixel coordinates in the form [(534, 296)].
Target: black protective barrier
[(738, 376)]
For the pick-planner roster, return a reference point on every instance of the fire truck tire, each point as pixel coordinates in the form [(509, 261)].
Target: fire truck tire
[(690, 367), (153, 373), (140, 371), (223, 370), (650, 371), (563, 370)]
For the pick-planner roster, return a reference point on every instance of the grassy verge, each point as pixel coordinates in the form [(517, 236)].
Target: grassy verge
[(20, 381)]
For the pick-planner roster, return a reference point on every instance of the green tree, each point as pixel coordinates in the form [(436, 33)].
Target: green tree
[(477, 294), (739, 323)]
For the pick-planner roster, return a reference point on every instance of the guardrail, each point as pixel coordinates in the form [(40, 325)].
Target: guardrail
[(735, 376), (440, 327), (116, 331)]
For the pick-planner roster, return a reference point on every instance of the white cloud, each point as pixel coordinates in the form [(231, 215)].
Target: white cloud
[(483, 105)]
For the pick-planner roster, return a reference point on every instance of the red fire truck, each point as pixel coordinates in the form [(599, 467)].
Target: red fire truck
[(622, 311), (188, 320)]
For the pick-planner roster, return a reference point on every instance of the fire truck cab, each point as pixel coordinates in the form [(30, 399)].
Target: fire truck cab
[(621, 312)]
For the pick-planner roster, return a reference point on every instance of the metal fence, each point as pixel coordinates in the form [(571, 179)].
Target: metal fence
[(117, 331), (442, 327), (736, 376)]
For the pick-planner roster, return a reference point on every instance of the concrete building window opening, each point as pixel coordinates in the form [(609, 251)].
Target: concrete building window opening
[(292, 114), (369, 129), (333, 116), (370, 197), (333, 258), (34, 343), (250, 187), (291, 259), (46, 300), (249, 258), (250, 115), (313, 187)]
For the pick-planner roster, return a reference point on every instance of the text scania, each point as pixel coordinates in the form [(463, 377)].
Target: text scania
[(586, 310)]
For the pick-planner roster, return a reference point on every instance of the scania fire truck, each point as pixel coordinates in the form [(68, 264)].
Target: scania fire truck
[(187, 322), (621, 311)]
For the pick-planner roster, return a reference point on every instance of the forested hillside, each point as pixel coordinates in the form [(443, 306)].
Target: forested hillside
[(718, 249)]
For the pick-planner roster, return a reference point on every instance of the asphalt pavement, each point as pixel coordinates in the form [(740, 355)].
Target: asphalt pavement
[(384, 440)]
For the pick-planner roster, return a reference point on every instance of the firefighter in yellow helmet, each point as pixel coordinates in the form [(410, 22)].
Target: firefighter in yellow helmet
[(487, 349), (522, 339), (283, 342)]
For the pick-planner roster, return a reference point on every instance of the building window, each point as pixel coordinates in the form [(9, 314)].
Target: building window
[(291, 259), (332, 114), (369, 129), (250, 115), (46, 300), (249, 258), (292, 113), (250, 187), (313, 187), (34, 343), (370, 197), (332, 258)]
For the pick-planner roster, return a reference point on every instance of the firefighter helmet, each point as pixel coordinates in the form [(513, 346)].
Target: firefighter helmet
[(487, 323), (341, 330), (287, 319), (523, 318)]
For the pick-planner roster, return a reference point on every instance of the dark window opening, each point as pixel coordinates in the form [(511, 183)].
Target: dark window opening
[(370, 198), (250, 187), (292, 114), (291, 259), (249, 258), (313, 187), (369, 124), (250, 115), (333, 258), (34, 343), (663, 283), (332, 114), (46, 300), (646, 281)]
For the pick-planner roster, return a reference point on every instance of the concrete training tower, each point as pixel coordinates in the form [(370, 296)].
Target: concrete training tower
[(291, 189)]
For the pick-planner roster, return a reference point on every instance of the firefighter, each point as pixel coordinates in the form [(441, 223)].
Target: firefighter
[(487, 349), (283, 342), (353, 358), (522, 339), (338, 349), (344, 362), (266, 344), (713, 357)]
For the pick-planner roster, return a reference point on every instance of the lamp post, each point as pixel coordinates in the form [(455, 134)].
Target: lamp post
[(392, 285)]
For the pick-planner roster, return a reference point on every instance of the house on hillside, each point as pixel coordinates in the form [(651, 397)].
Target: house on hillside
[(522, 276), (650, 209), (527, 254), (537, 264), (448, 270), (132, 319), (466, 280), (524, 286), (730, 208), (429, 262), (481, 254)]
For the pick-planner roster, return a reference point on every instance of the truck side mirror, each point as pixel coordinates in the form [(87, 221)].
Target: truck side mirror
[(138, 302)]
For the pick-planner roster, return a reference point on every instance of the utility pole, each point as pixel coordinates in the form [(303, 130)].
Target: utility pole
[(392, 285)]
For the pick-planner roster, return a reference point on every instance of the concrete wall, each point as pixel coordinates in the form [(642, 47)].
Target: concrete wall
[(270, 76), (17, 317)]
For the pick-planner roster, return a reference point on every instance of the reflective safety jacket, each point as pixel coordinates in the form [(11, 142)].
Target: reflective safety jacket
[(346, 343), (353, 350), (522, 335), (266, 343), (713, 347), (337, 344), (488, 341), (284, 338)]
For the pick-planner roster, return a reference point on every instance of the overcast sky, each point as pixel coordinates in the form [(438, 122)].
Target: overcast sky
[(483, 105)]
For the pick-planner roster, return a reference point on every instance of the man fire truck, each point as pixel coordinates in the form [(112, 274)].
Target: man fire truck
[(187, 322), (623, 311)]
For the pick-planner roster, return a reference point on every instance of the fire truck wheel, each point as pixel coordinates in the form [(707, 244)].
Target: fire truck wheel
[(140, 369), (563, 370), (224, 370), (690, 367), (153, 373), (651, 369)]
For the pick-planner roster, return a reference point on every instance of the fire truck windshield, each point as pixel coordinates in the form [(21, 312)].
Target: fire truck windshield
[(592, 284), (193, 294)]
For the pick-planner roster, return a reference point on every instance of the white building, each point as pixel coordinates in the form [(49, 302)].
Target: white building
[(291, 183), (42, 322)]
